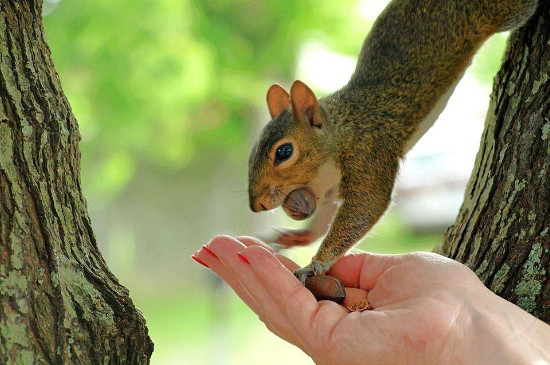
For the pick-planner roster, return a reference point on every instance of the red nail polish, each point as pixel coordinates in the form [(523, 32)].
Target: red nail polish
[(200, 261), (209, 251), (243, 258)]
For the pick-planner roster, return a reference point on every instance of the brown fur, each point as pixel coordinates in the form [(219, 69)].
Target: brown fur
[(414, 53)]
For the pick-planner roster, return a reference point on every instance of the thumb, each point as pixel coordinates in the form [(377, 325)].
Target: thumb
[(361, 269)]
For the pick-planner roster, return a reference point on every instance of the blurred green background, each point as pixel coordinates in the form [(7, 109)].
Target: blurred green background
[(170, 95)]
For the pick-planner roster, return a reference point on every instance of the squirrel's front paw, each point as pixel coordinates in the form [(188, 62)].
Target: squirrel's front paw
[(291, 238), (315, 268), (279, 239)]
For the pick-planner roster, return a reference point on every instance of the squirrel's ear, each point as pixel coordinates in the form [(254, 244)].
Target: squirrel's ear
[(305, 104), (277, 100)]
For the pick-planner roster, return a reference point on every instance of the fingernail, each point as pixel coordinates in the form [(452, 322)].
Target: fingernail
[(200, 261), (243, 258), (209, 251)]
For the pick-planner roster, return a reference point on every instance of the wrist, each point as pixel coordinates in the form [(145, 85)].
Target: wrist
[(491, 330)]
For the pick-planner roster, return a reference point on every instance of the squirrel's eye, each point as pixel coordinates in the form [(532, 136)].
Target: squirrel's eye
[(283, 153)]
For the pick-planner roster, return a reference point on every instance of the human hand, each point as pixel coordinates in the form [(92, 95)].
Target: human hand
[(426, 308)]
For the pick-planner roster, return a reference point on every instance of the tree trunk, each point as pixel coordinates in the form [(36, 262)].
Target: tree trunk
[(59, 301), (503, 229)]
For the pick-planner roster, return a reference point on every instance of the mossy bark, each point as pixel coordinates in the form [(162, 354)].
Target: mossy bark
[(503, 229), (59, 301)]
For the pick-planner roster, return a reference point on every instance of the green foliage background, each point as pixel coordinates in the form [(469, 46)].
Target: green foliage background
[(169, 95), (173, 83)]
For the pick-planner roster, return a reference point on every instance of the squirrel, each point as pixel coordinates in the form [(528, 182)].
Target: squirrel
[(346, 147)]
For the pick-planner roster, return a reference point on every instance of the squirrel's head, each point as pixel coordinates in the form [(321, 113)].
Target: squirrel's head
[(291, 147)]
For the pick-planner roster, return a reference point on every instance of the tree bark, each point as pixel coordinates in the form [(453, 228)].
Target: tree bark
[(59, 301), (502, 231)]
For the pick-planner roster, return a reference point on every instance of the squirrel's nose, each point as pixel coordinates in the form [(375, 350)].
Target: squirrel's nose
[(256, 206), (253, 205), (251, 201)]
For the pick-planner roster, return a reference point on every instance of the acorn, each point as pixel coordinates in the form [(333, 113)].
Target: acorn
[(300, 204), (356, 300), (326, 287)]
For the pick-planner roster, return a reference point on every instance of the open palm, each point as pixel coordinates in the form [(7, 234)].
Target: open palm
[(416, 299)]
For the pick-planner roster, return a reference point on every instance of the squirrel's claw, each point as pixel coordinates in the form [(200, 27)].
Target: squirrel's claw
[(315, 268)]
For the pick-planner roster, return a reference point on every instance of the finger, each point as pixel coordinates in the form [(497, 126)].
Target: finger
[(302, 311), (226, 248), (207, 256), (265, 241), (251, 241), (361, 270)]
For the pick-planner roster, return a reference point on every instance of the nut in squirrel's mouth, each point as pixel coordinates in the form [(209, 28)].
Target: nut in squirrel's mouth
[(300, 204)]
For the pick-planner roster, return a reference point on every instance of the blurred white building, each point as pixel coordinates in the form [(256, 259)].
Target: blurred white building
[(434, 174)]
